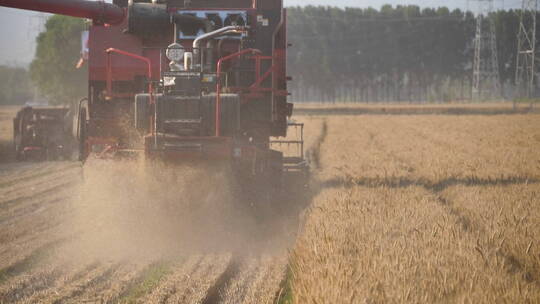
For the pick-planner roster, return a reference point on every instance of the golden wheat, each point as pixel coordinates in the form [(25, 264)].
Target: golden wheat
[(423, 209)]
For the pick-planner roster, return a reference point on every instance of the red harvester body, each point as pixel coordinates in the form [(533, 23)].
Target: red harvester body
[(184, 80)]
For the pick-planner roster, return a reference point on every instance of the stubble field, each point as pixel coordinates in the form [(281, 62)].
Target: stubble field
[(400, 208), (120, 232)]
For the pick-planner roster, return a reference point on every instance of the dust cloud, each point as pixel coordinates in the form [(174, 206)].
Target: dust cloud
[(129, 210)]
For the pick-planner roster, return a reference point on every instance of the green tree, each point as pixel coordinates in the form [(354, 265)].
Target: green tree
[(53, 68), (15, 86)]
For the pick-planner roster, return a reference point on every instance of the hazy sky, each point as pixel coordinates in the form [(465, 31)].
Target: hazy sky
[(376, 3), (18, 29)]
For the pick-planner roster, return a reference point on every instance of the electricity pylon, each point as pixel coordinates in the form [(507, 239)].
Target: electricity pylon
[(526, 51), (486, 79)]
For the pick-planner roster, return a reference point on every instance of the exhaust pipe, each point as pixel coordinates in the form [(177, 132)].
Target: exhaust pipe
[(222, 31)]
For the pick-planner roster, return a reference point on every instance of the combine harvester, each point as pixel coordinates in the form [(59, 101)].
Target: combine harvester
[(186, 81)]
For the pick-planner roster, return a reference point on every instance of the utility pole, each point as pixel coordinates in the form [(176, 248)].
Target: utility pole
[(526, 50), (486, 79)]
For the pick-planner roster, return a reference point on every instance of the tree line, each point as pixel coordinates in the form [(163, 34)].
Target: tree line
[(15, 86), (401, 53)]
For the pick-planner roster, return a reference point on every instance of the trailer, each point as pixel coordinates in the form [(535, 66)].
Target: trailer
[(39, 133)]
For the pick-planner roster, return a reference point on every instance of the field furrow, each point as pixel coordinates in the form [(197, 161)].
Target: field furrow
[(175, 282), (107, 287), (38, 177), (24, 285), (72, 282), (207, 281), (258, 281)]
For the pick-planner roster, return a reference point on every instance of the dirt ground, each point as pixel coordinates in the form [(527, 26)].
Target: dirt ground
[(125, 232), (401, 208)]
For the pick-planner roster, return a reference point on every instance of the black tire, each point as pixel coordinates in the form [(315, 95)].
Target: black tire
[(81, 131), (19, 157), (17, 148), (52, 153)]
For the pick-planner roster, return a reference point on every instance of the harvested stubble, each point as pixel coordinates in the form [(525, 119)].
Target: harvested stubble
[(423, 209)]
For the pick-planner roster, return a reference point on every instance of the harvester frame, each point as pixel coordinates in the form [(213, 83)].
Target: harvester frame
[(185, 81)]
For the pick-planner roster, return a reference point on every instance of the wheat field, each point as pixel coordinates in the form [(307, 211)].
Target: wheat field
[(7, 113), (421, 209), (415, 208)]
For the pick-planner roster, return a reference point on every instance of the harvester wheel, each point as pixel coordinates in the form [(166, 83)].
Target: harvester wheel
[(81, 128), (17, 139), (17, 147)]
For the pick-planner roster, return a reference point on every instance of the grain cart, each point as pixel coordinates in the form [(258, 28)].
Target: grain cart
[(184, 81), (39, 134)]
